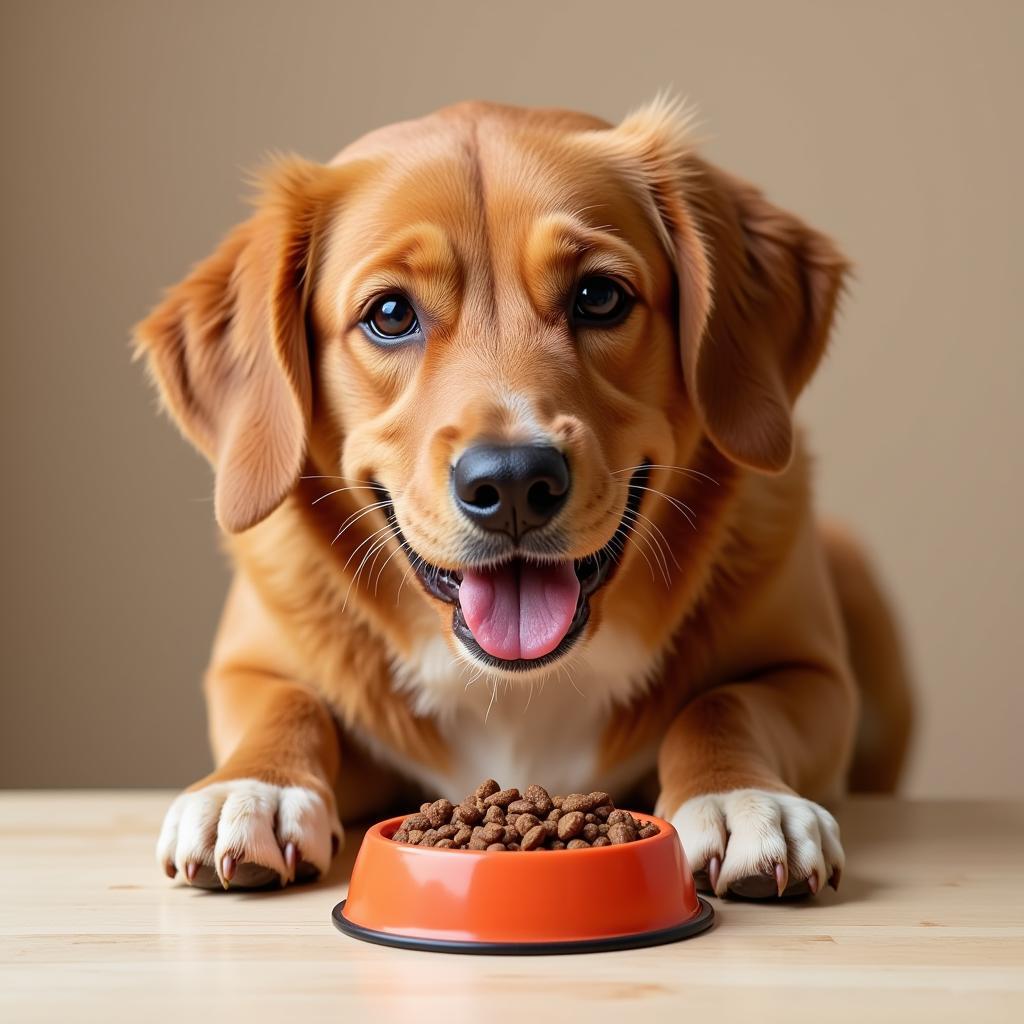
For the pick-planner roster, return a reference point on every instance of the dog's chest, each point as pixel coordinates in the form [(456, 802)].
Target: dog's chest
[(549, 730)]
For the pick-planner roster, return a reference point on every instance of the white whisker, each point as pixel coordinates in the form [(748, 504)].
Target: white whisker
[(637, 512), (684, 470), (354, 518), (414, 565), (654, 545), (338, 490), (365, 540), (374, 549), (680, 506), (526, 707), (630, 530)]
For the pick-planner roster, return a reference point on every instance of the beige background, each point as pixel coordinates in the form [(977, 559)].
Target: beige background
[(126, 131)]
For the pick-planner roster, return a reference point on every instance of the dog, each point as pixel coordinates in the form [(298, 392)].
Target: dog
[(500, 409)]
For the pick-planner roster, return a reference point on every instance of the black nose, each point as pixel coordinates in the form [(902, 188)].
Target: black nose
[(510, 490)]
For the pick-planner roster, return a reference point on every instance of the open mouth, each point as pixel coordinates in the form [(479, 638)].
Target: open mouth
[(523, 613)]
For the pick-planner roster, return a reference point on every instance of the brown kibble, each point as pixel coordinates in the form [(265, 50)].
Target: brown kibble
[(486, 789), (492, 832), (495, 847), (439, 812), (570, 825), (502, 798), (522, 807), (526, 822), (492, 818), (621, 833), (468, 813), (533, 838), (540, 798), (577, 802)]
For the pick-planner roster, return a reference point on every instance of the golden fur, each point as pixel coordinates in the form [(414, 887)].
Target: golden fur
[(488, 215)]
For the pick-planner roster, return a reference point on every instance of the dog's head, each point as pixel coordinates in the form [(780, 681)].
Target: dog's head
[(503, 324)]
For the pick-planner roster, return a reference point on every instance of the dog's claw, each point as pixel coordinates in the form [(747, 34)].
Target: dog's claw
[(291, 859), (191, 870), (812, 883), (170, 870), (781, 877), (834, 880), (714, 870), (228, 866)]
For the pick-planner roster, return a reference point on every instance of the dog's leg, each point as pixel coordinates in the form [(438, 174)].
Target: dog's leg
[(267, 813), (731, 768)]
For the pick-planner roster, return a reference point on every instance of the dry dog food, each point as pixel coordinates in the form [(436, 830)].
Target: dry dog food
[(492, 818)]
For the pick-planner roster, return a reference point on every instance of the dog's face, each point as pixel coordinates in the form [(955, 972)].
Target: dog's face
[(496, 343), (498, 324)]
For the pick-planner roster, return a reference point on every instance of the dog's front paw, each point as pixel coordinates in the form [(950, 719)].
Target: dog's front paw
[(247, 834), (756, 844)]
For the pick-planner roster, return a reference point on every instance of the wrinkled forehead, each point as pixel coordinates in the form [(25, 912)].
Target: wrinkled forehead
[(484, 201)]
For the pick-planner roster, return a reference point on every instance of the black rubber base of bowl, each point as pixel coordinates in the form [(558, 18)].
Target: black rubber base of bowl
[(703, 920)]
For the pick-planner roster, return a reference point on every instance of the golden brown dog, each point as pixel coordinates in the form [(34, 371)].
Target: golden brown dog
[(499, 404)]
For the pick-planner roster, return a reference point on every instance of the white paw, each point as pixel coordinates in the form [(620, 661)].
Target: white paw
[(756, 843), (247, 833)]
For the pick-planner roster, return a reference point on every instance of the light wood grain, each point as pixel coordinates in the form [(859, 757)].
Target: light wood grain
[(928, 924)]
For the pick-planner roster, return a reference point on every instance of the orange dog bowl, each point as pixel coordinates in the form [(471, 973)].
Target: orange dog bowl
[(544, 901)]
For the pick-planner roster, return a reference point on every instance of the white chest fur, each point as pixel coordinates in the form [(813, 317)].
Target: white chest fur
[(544, 727)]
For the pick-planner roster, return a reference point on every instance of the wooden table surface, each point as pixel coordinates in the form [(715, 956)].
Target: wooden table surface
[(928, 925)]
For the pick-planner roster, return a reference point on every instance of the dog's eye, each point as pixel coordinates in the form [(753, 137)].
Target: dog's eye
[(391, 318), (600, 302)]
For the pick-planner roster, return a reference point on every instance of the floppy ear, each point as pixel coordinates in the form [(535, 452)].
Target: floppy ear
[(757, 287), (775, 283), (227, 348)]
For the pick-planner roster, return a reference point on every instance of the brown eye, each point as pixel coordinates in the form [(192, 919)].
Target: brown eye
[(600, 302), (391, 318)]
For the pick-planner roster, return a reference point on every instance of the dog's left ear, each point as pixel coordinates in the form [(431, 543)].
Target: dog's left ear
[(227, 347), (757, 288)]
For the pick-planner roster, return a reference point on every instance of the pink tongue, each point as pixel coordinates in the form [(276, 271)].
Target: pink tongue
[(520, 610)]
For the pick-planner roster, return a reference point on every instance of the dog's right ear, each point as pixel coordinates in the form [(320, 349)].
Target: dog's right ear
[(227, 346)]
